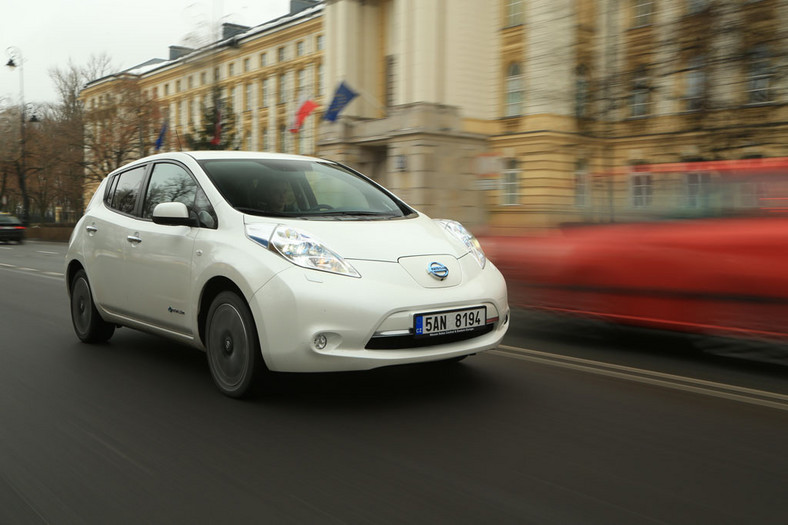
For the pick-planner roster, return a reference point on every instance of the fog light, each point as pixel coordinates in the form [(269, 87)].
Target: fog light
[(320, 341)]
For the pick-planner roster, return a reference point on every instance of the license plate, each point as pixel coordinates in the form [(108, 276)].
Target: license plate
[(449, 322)]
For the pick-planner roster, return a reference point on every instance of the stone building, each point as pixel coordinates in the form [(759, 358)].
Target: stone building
[(510, 115)]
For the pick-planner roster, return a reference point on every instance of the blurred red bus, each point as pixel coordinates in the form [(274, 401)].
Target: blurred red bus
[(716, 262)]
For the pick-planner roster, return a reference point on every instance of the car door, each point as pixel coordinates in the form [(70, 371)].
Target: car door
[(159, 257), (105, 240)]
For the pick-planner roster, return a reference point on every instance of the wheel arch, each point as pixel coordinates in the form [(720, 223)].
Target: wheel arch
[(71, 270), (210, 290)]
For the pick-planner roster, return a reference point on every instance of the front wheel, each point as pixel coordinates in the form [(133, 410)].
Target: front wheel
[(88, 324), (232, 345)]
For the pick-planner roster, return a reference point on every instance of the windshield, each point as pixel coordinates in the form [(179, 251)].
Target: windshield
[(301, 189)]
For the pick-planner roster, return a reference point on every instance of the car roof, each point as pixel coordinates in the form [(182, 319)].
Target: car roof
[(223, 154)]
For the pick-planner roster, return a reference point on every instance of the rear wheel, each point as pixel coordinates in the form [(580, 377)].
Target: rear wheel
[(232, 345), (88, 324)]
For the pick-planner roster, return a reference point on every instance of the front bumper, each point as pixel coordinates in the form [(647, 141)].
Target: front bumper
[(297, 305)]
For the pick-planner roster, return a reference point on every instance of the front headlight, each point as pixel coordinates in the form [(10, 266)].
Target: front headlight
[(300, 248), (459, 232)]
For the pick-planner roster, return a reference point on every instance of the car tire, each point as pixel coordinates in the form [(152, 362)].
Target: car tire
[(88, 324), (232, 345)]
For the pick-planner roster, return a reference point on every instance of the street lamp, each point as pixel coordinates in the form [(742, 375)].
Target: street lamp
[(15, 60)]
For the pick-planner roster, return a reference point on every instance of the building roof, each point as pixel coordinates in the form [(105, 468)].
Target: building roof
[(298, 14)]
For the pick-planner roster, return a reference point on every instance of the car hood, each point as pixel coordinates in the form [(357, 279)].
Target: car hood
[(379, 240)]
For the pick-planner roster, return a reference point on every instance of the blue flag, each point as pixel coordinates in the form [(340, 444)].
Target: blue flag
[(342, 98), (160, 140)]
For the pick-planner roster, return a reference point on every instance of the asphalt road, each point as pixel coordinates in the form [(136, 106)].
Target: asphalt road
[(563, 424)]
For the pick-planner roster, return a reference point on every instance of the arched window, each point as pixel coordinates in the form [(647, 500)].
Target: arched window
[(514, 90)]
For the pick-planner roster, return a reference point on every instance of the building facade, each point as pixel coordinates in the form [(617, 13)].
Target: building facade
[(511, 115)]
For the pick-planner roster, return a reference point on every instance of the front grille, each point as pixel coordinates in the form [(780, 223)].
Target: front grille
[(400, 342)]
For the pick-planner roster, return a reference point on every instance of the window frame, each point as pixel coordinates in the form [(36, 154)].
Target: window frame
[(640, 103), (515, 13), (150, 172), (641, 190), (642, 13), (514, 92), (112, 187), (510, 178)]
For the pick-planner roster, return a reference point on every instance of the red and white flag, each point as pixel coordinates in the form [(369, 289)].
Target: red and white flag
[(306, 107)]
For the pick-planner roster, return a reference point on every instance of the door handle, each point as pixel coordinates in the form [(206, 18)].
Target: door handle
[(133, 239), (91, 229)]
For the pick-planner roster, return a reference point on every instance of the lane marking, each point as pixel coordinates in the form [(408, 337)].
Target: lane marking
[(48, 253), (32, 271), (686, 384)]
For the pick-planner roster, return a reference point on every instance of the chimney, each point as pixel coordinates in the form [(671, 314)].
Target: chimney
[(178, 51), (230, 30), (300, 5)]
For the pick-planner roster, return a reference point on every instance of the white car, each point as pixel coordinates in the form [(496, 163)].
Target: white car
[(278, 262)]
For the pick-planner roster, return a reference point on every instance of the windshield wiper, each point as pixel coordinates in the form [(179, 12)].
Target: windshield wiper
[(357, 213), (255, 211)]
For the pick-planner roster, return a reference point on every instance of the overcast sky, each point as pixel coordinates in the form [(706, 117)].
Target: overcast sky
[(50, 32)]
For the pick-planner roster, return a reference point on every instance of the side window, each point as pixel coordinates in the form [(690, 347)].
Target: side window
[(172, 183), (126, 189), (169, 183)]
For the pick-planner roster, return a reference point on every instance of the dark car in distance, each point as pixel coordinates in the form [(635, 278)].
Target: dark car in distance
[(11, 229)]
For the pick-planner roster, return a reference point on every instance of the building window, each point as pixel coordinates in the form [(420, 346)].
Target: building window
[(641, 189), (246, 65), (510, 183), (230, 69), (216, 74), (265, 140), (263, 60), (281, 54), (166, 89), (696, 6), (514, 12), (248, 97), (390, 81), (300, 48), (320, 82), (696, 84), (640, 93), (514, 91), (281, 93), (301, 84), (581, 92), (190, 82), (283, 139), (203, 78), (266, 91), (177, 86), (759, 76), (643, 9), (581, 184), (697, 190), (320, 42)]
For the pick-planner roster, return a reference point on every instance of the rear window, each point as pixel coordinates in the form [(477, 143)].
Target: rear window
[(301, 188), (125, 190), (9, 219)]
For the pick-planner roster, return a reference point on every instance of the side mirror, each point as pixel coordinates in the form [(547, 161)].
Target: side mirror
[(172, 214)]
